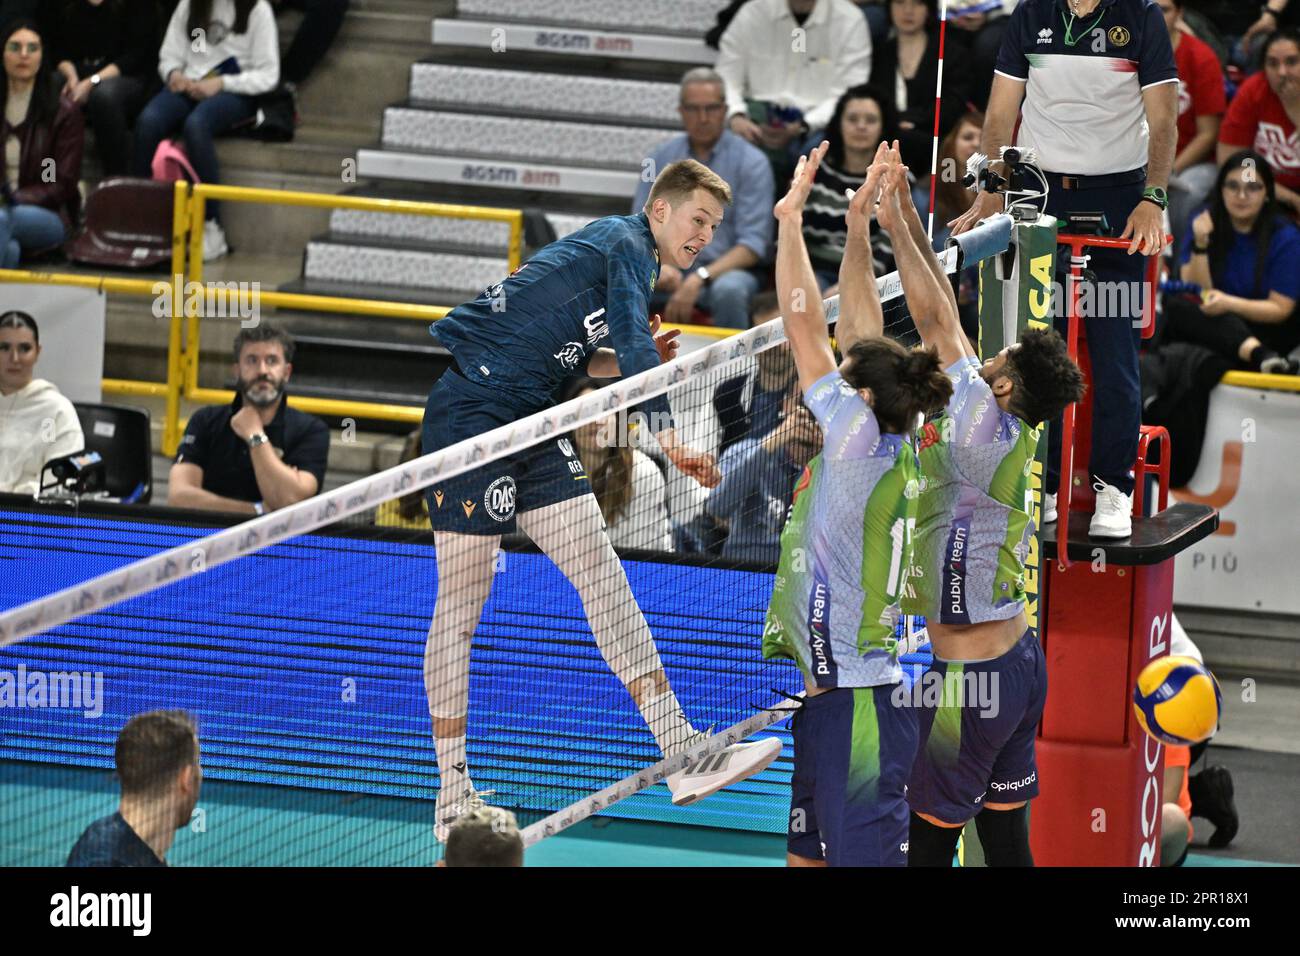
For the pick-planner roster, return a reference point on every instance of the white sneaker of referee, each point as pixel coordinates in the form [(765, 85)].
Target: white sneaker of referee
[(1111, 518)]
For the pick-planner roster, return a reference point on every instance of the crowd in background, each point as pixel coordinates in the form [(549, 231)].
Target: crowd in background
[(867, 73)]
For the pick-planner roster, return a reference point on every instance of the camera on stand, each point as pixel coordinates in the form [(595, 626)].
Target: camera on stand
[(72, 477), (1023, 186)]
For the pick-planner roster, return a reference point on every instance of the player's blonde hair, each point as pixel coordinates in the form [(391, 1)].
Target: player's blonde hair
[(679, 180)]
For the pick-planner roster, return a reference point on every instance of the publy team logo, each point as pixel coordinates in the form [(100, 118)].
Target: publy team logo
[(819, 609), (954, 596)]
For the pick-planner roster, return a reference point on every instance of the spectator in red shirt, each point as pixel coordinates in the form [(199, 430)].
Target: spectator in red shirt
[(1258, 117), (1201, 104)]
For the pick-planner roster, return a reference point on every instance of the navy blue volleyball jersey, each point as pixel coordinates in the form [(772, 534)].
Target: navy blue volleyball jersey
[(526, 335), (1084, 78)]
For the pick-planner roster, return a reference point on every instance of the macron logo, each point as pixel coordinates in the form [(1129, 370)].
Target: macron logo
[(1044, 35)]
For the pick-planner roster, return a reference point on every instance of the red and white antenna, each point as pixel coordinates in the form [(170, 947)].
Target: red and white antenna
[(938, 100)]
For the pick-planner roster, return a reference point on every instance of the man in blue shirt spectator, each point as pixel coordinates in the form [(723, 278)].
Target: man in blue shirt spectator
[(157, 760), (758, 478), (722, 279)]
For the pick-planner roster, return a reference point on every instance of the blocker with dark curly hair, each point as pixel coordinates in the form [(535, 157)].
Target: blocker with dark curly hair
[(1046, 379)]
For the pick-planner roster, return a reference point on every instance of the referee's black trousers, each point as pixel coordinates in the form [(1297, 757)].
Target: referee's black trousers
[(1112, 339)]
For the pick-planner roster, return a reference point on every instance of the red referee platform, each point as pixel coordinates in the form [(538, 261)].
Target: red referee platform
[(1102, 606)]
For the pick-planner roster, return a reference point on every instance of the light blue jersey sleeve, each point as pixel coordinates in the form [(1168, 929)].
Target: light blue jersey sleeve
[(849, 426), (976, 417)]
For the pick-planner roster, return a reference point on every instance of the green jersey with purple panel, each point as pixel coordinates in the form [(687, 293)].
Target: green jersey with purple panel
[(846, 548), (973, 524)]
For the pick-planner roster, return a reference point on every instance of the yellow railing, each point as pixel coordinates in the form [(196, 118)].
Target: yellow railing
[(1276, 383), (183, 340)]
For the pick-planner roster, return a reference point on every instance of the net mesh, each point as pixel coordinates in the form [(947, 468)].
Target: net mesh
[(298, 640)]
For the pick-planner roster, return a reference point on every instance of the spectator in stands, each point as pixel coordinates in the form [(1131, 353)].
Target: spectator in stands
[(905, 70), (749, 405), (37, 424), (951, 200), (863, 116), (321, 21), (256, 454), (722, 280), (409, 511), (107, 54), (1259, 116), (485, 836), (951, 197), (877, 14), (41, 202), (157, 759), (785, 64), (975, 27), (1201, 104), (628, 486), (210, 87), (758, 479), (1247, 259), (1272, 15)]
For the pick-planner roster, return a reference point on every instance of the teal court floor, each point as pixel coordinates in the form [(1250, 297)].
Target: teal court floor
[(43, 809)]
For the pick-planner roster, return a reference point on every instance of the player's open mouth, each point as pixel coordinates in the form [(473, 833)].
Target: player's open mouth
[(692, 250)]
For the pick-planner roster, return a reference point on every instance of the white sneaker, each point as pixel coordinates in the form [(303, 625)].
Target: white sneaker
[(1113, 517), (722, 769), (452, 803), (1049, 509), (214, 240)]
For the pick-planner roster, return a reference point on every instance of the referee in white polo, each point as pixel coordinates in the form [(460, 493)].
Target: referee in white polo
[(1100, 91)]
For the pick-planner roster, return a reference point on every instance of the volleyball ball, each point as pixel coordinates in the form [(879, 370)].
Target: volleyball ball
[(1177, 700)]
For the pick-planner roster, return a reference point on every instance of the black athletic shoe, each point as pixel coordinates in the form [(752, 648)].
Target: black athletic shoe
[(1211, 792)]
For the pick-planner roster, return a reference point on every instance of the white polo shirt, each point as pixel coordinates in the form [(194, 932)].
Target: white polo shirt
[(1083, 108), (762, 58)]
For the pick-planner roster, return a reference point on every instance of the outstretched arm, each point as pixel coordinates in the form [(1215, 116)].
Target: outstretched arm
[(796, 284), (861, 315), (929, 297)]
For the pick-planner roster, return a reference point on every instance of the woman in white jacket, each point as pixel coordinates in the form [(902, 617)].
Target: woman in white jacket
[(216, 56), (37, 424)]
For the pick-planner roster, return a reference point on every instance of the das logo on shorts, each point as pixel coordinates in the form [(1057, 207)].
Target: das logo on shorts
[(499, 500)]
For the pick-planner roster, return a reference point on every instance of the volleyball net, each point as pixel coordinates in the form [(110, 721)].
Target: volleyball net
[(300, 640)]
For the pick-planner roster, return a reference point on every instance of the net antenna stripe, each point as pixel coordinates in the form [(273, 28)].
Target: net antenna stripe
[(634, 783), (938, 99), (202, 554)]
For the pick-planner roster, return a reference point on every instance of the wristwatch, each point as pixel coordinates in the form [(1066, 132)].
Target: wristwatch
[(1158, 195), (95, 79), (258, 439), (703, 273)]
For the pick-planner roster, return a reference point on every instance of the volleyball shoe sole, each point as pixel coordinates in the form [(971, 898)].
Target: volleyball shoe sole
[(722, 769)]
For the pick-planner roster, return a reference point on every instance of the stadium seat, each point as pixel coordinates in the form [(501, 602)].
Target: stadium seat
[(128, 225), (120, 433)]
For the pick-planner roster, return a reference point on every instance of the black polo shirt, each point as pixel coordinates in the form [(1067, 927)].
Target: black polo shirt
[(1084, 77), (302, 441)]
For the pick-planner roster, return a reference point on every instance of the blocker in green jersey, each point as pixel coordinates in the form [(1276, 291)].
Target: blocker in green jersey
[(846, 551), (973, 534)]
